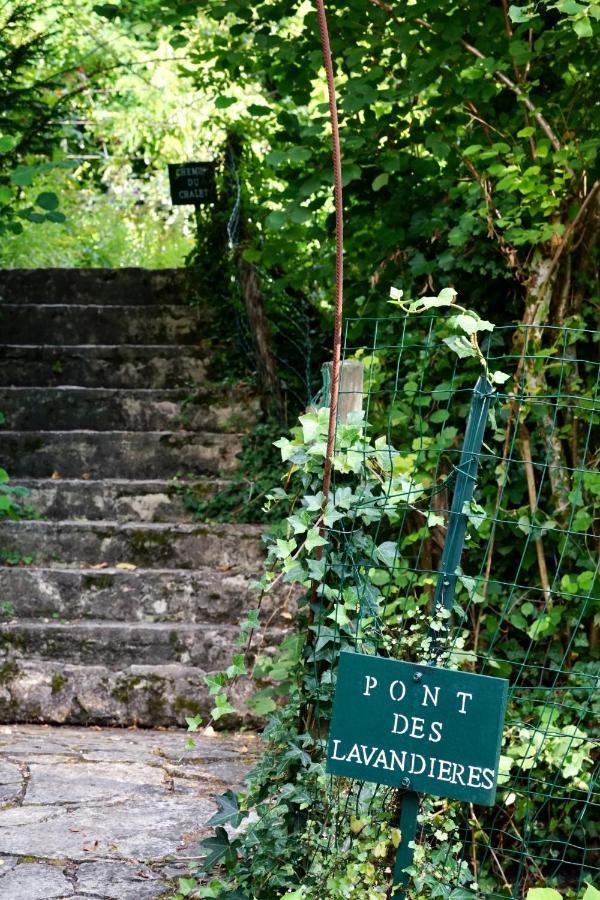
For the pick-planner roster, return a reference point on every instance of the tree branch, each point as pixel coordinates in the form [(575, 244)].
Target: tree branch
[(498, 75)]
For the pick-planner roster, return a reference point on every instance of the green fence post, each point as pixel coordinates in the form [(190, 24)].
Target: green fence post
[(446, 584), (408, 833), (466, 477)]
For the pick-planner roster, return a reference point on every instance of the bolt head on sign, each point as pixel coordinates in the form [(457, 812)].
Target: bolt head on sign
[(192, 183), (442, 731)]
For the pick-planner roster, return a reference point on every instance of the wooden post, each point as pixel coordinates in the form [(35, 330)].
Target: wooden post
[(351, 391)]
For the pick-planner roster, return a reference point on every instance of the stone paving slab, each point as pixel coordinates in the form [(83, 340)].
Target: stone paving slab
[(110, 814)]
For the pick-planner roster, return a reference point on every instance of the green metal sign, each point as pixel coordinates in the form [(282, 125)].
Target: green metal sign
[(421, 728)]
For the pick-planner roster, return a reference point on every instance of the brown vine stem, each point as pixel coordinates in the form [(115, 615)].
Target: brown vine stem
[(339, 245), (532, 493)]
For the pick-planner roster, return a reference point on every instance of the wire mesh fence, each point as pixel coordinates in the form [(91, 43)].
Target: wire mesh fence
[(525, 591)]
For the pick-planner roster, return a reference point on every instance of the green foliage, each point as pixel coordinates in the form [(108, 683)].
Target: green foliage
[(11, 499), (243, 498), (366, 559), (469, 144)]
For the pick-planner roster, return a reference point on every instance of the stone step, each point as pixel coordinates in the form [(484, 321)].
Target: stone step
[(144, 595), (206, 408), (144, 545), (144, 695), (121, 644), (98, 365), (105, 286), (95, 324), (117, 454), (124, 500)]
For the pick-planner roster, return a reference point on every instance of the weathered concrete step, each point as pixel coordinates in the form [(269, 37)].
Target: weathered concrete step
[(125, 500), (117, 454), (103, 365), (145, 545), (107, 286), (121, 644), (206, 408), (93, 324), (143, 595), (62, 693)]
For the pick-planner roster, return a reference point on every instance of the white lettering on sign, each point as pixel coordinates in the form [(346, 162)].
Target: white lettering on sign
[(190, 171), (370, 683), (400, 690), (416, 764), (464, 696), (416, 725), (429, 695), (197, 194)]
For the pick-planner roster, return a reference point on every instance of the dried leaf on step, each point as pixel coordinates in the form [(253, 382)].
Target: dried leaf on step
[(129, 567), (89, 848), (102, 565), (223, 568), (55, 476)]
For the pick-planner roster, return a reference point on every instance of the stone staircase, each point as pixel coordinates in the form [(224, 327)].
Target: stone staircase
[(115, 604)]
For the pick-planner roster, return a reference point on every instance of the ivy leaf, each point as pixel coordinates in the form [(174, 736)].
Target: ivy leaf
[(217, 847), (228, 812), (460, 345), (262, 705), (388, 553), (223, 707), (193, 722), (316, 568), (471, 324), (314, 539), (445, 297), (591, 893), (187, 885), (237, 666), (543, 894), (499, 377)]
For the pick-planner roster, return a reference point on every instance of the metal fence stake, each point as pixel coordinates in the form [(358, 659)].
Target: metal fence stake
[(466, 476), (408, 833), (446, 585)]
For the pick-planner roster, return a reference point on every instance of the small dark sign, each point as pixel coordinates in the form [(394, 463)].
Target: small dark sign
[(427, 729), (192, 183)]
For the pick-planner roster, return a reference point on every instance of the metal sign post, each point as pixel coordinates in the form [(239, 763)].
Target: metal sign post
[(446, 583), (421, 727)]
